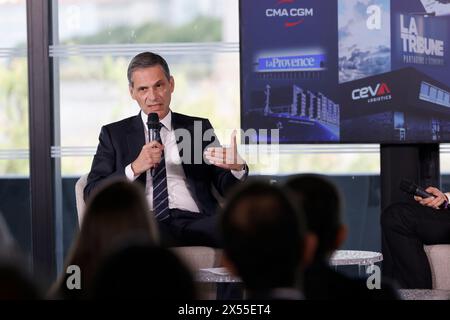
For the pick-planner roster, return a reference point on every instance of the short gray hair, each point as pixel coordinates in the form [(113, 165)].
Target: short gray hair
[(145, 60)]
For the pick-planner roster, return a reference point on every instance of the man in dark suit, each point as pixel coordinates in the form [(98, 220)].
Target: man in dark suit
[(320, 200), (406, 228), (178, 168)]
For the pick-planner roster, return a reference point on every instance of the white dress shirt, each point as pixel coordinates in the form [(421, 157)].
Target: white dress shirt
[(180, 195)]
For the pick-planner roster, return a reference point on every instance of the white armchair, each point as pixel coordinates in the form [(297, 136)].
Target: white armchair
[(79, 197), (439, 259)]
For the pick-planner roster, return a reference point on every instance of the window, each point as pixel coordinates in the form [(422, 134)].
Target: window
[(14, 153), (424, 89), (434, 95)]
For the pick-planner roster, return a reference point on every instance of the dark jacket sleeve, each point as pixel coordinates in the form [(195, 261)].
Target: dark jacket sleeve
[(104, 164), (222, 179)]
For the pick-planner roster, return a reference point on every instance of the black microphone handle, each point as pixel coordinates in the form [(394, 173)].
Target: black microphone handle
[(422, 193), (151, 137), (151, 134)]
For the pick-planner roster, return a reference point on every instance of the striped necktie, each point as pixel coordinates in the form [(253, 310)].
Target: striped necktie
[(159, 178)]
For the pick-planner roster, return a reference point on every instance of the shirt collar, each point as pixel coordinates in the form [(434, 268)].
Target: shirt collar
[(166, 121)]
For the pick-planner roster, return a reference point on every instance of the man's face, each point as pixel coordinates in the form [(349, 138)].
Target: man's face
[(152, 90)]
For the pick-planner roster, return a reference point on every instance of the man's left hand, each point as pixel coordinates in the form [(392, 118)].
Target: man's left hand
[(227, 158), (435, 201)]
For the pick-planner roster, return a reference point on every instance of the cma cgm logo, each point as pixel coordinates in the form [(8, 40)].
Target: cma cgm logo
[(295, 16), (380, 92)]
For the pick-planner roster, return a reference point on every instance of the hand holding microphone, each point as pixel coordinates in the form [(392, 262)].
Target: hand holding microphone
[(150, 155), (154, 136), (430, 197)]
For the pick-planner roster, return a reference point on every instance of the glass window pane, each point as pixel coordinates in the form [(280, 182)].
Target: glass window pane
[(444, 163), (424, 89), (144, 21), (440, 96), (433, 93), (14, 154), (13, 24), (445, 159), (203, 87), (13, 103), (447, 99)]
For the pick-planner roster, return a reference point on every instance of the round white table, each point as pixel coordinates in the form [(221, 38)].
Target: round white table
[(215, 275), (424, 294), (355, 257), (339, 258)]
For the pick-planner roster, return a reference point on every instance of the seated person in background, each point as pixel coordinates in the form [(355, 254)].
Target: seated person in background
[(406, 228), (116, 214), (143, 272), (172, 168), (264, 241), (321, 202)]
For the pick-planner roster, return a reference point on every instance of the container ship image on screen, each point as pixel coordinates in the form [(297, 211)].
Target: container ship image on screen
[(299, 114), (404, 105)]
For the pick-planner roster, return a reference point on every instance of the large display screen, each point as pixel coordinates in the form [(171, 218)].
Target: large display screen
[(345, 71)]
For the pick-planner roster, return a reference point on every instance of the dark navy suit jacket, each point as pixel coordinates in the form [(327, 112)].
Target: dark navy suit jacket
[(121, 142)]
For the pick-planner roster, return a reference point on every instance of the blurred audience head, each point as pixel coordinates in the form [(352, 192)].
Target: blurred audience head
[(15, 280), (16, 283), (117, 209), (263, 235), (321, 203), (116, 214), (143, 272)]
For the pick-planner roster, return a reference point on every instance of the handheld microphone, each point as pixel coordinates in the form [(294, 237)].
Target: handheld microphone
[(413, 189), (152, 125)]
